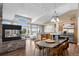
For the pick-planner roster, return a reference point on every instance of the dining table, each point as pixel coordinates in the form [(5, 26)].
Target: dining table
[(50, 43)]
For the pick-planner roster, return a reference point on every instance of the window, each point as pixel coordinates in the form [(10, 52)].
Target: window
[(25, 23), (36, 29)]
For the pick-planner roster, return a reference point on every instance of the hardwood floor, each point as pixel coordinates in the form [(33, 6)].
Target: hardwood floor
[(30, 50)]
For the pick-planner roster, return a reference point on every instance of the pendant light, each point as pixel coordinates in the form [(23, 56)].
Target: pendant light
[(55, 18)]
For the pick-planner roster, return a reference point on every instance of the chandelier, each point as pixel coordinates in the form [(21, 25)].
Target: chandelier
[(55, 18)]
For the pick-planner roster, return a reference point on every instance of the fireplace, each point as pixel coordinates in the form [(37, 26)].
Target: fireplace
[(11, 32)]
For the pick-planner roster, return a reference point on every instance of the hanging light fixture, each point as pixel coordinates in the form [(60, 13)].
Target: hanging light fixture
[(55, 18)]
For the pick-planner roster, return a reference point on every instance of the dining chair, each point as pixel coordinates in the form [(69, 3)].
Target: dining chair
[(54, 52), (40, 48), (58, 51), (61, 50), (66, 46)]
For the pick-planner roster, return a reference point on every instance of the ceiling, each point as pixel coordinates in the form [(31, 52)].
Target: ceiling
[(66, 16), (33, 10), (69, 15), (38, 12)]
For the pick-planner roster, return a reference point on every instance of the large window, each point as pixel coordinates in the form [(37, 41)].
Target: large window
[(37, 29), (34, 29), (25, 22)]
